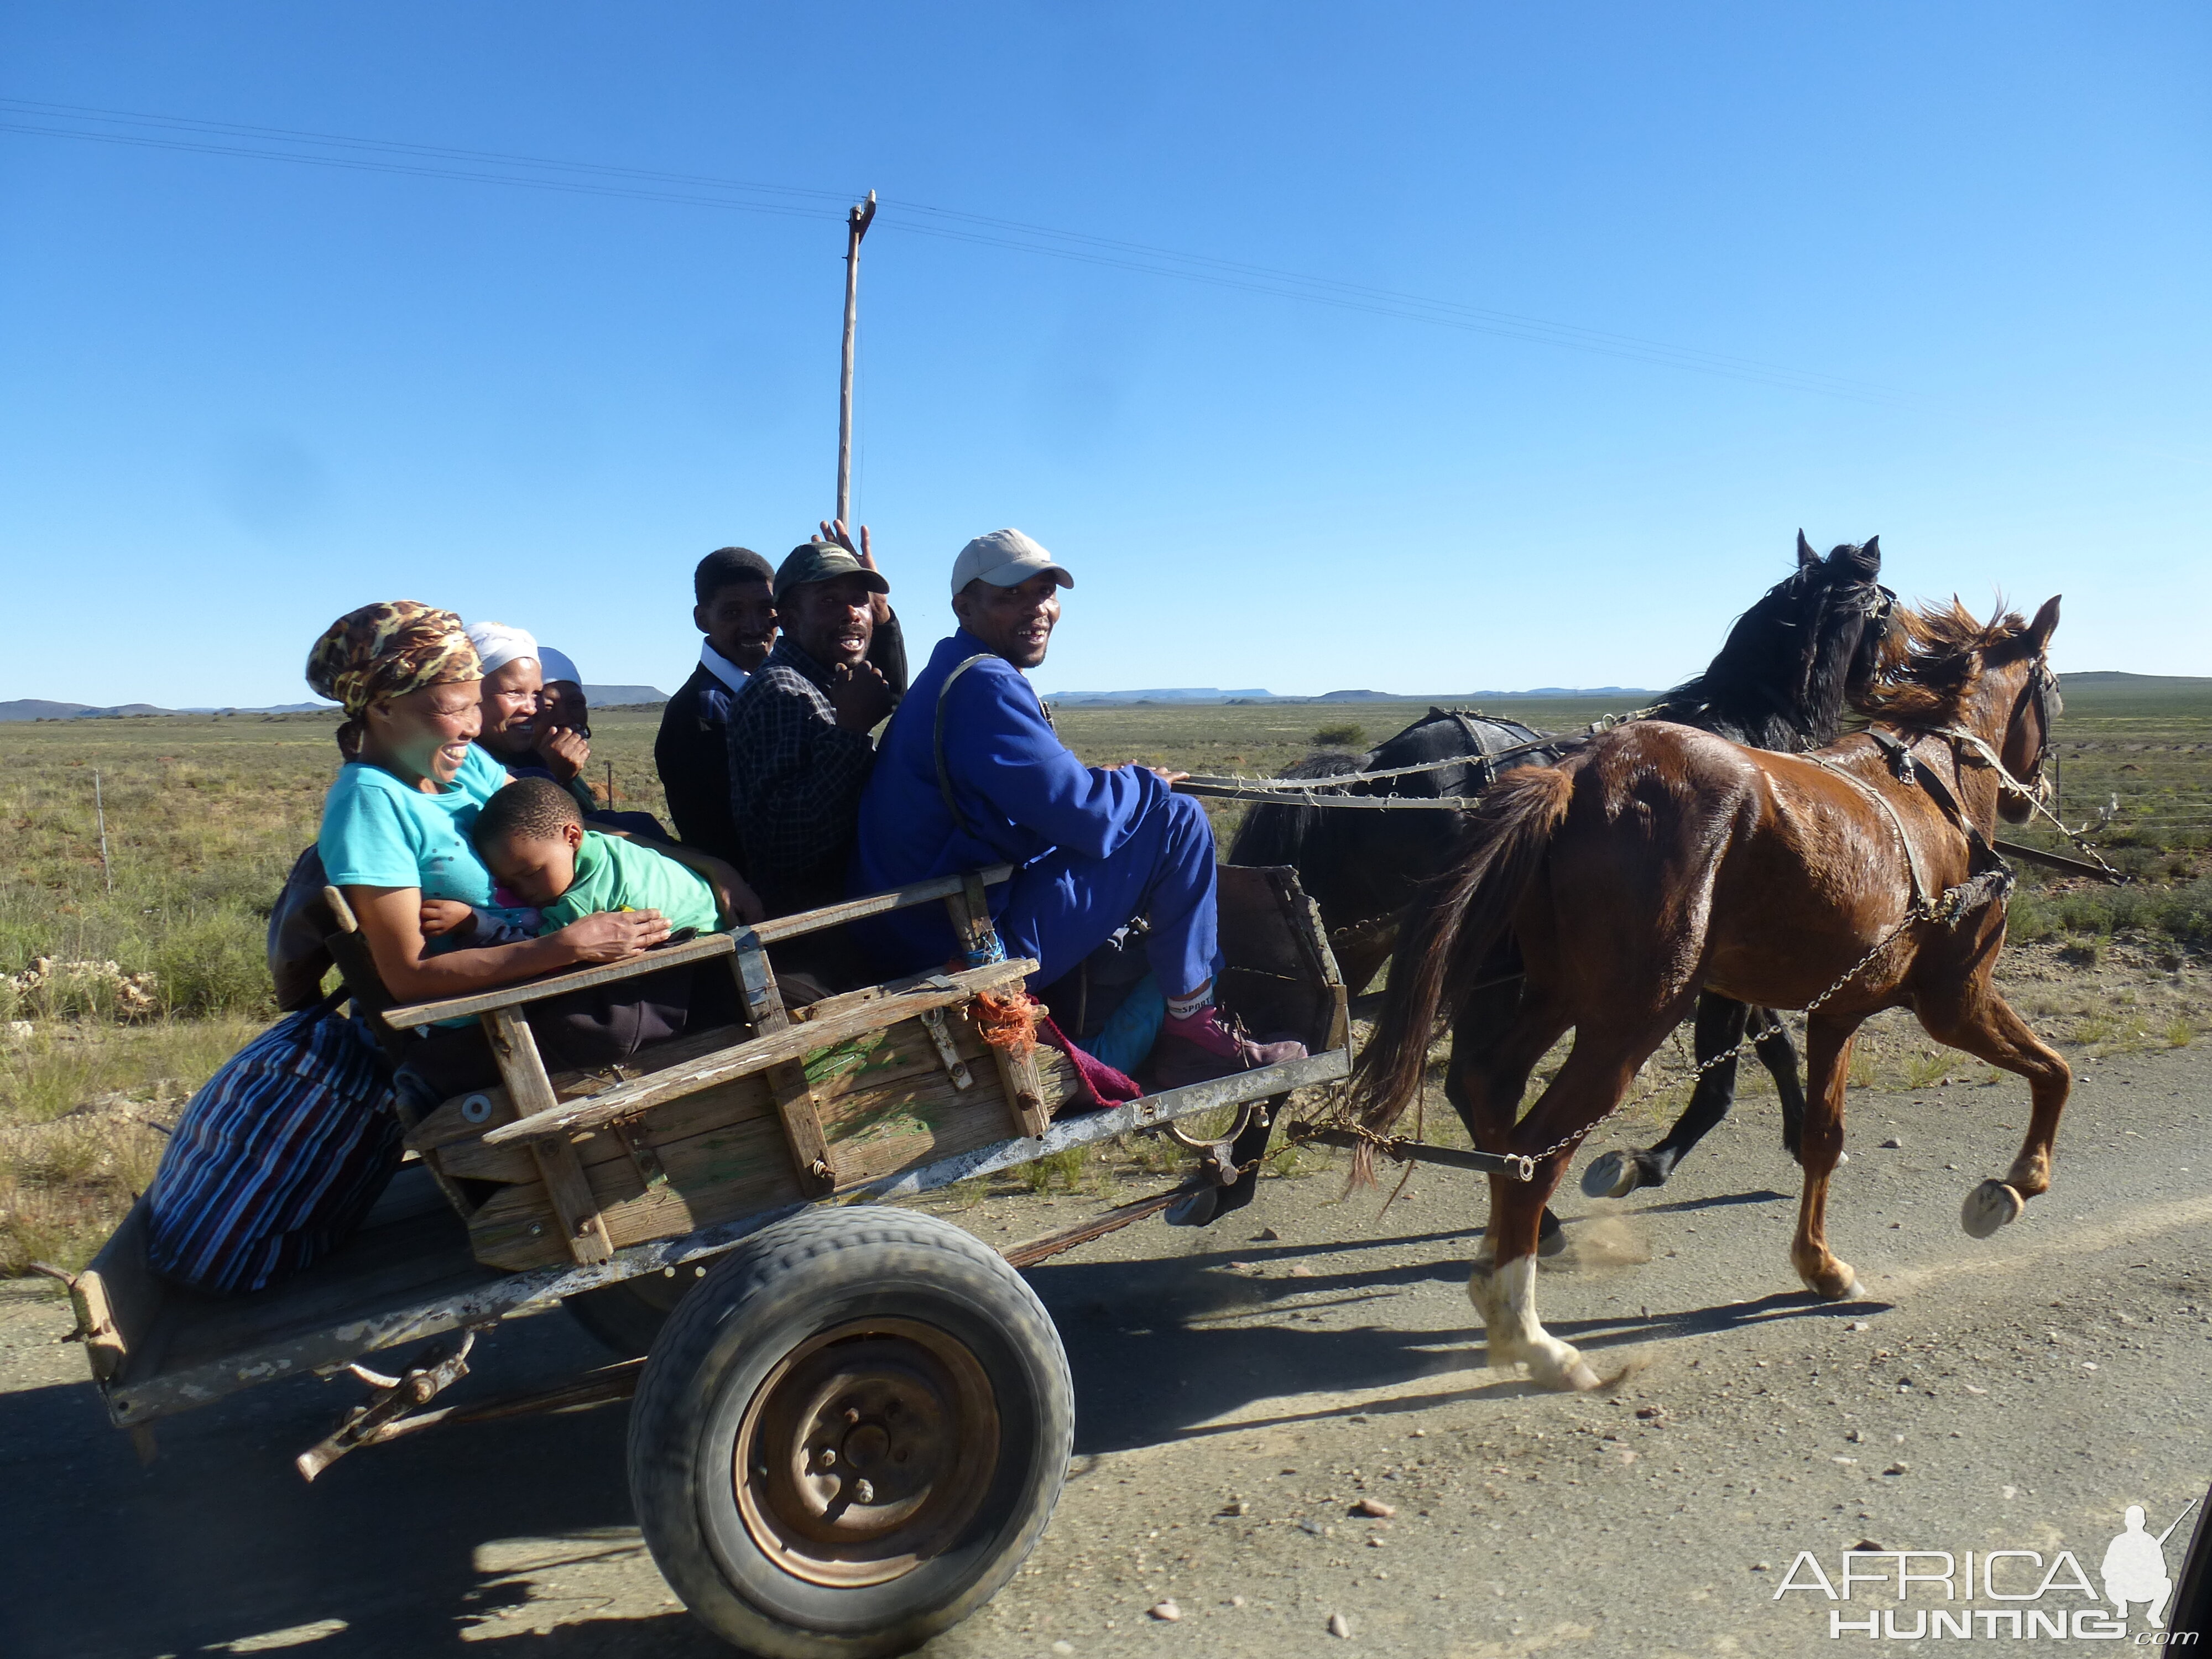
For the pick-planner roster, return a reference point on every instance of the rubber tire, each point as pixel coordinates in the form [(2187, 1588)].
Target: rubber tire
[(763, 1299), (629, 1315)]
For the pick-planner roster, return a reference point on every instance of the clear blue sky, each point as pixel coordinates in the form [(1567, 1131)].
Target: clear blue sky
[(238, 396)]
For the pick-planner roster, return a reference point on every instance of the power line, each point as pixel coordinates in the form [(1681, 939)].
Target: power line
[(303, 147)]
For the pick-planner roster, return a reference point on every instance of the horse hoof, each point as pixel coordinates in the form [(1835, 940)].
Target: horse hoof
[(1573, 1376), (1611, 1175), (1194, 1210), (1991, 1206), (1838, 1282)]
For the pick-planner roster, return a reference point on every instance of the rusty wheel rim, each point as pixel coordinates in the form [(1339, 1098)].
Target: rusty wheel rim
[(866, 1452)]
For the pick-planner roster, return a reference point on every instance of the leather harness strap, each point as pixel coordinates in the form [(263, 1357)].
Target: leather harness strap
[(1912, 861)]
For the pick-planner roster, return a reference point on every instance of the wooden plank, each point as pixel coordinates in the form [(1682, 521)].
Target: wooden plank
[(118, 1299), (451, 1122), (793, 1042), (885, 1074), (874, 904), (531, 1091), (1254, 932), (845, 1001), (726, 1157), (583, 979), (731, 1171), (802, 1128), (1024, 1091)]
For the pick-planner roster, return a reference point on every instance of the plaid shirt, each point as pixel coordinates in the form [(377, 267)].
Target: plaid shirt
[(795, 781)]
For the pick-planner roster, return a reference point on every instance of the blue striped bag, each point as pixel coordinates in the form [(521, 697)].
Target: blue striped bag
[(277, 1158)]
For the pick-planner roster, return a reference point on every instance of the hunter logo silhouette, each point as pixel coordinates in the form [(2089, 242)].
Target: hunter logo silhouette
[(2135, 1567)]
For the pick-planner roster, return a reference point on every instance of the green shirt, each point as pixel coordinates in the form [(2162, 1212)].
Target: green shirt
[(613, 874)]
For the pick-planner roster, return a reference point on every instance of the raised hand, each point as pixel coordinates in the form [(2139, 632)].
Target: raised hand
[(834, 530), (565, 753)]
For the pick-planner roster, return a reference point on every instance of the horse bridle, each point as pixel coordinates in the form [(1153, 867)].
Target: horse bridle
[(2042, 684)]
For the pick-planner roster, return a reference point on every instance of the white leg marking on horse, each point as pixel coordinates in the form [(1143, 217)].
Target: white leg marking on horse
[(1506, 1298), (1991, 1206)]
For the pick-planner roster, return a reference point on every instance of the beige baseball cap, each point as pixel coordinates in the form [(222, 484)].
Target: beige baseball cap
[(1006, 558)]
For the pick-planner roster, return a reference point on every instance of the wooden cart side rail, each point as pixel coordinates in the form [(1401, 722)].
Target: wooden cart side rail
[(537, 990), (698, 950), (873, 904), (497, 1297), (793, 1042)]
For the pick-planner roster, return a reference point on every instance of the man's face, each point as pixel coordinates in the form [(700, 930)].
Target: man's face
[(536, 871), (739, 623), (510, 693), (831, 620), (1015, 622)]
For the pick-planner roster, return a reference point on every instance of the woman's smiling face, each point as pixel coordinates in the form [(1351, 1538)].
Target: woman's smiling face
[(511, 695), (424, 735)]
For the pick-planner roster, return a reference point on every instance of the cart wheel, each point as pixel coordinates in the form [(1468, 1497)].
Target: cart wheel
[(849, 1435)]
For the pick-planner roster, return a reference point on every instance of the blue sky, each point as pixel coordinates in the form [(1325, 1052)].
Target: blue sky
[(1956, 257)]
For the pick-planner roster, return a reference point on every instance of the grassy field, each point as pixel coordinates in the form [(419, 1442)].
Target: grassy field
[(160, 943)]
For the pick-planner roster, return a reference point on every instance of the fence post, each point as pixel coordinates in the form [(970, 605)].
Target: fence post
[(100, 810)]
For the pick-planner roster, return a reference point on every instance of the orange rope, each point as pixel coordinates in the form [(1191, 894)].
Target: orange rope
[(1008, 1019)]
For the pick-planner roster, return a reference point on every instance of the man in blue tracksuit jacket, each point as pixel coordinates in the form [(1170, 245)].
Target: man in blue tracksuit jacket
[(1092, 847)]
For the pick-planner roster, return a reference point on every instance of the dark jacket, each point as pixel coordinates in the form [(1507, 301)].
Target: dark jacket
[(795, 781), (691, 754)]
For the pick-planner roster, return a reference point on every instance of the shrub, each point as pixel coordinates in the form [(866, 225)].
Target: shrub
[(1347, 735)]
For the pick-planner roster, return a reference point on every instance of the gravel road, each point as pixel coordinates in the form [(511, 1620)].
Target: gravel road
[(1242, 1389)]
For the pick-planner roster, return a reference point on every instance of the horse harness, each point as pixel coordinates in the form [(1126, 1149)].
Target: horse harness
[(1988, 877)]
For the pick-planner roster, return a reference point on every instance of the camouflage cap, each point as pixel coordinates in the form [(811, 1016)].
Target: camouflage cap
[(818, 561)]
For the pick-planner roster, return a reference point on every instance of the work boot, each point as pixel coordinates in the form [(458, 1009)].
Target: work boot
[(1210, 1045)]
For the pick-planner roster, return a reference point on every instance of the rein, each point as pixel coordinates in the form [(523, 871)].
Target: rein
[(1299, 792)]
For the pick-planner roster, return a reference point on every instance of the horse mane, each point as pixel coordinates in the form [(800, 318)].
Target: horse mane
[(1793, 661), (1927, 679)]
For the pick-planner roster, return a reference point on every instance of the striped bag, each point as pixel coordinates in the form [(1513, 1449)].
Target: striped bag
[(277, 1158)]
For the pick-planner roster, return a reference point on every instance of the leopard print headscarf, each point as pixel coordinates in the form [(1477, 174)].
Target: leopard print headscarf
[(388, 650)]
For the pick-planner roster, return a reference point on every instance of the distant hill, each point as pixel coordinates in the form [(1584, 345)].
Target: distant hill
[(38, 708), (2139, 682), (1175, 694), (1208, 694)]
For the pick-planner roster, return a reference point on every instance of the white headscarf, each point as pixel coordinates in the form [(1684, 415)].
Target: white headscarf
[(498, 645), (556, 666)]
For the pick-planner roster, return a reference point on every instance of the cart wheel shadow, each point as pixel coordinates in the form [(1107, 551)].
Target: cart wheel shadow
[(416, 1548)]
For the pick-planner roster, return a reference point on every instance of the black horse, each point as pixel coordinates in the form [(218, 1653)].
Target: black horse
[(1791, 666)]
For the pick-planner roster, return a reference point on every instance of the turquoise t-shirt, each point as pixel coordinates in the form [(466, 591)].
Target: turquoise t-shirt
[(377, 832)]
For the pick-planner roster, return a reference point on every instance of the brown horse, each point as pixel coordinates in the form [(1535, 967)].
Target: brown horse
[(1660, 861)]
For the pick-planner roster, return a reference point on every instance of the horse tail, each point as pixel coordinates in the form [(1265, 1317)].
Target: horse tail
[(1447, 932)]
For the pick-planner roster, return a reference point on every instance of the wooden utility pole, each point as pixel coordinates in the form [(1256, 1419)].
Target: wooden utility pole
[(856, 227)]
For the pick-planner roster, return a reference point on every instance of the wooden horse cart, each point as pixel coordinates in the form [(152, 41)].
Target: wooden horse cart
[(852, 1421)]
